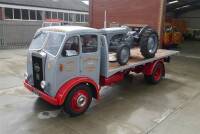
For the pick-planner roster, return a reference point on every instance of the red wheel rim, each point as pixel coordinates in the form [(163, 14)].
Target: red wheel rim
[(79, 101), (158, 73)]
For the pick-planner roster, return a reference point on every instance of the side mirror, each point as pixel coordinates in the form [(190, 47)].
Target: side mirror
[(70, 53)]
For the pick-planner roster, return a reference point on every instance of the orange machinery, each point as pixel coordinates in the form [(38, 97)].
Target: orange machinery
[(171, 36), (173, 32)]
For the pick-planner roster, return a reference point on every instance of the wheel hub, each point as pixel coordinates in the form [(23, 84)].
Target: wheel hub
[(152, 44), (81, 101)]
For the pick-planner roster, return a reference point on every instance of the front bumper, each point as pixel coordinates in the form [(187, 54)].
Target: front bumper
[(43, 95)]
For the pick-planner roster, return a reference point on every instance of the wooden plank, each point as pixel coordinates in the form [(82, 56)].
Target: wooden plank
[(137, 59)]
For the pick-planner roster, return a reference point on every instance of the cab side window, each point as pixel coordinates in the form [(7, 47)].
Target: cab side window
[(89, 43), (71, 47)]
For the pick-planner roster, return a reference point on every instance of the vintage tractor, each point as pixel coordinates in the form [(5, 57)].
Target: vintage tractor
[(122, 39)]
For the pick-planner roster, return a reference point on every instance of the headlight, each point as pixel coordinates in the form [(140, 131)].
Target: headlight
[(26, 76), (43, 84)]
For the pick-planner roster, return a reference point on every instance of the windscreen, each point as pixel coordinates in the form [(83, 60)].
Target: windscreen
[(54, 42), (48, 41), (38, 41)]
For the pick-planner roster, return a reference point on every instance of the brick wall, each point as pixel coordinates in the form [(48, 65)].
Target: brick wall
[(127, 12), (1, 14)]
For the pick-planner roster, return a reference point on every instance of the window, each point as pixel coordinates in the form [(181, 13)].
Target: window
[(48, 15), (38, 40), (25, 14), (32, 15), (8, 13), (17, 14), (60, 15), (39, 15), (71, 47), (71, 17), (89, 43), (66, 16), (82, 18), (54, 42), (86, 18), (54, 15), (78, 17)]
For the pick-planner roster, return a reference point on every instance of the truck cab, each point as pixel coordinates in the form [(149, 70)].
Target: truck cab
[(59, 54)]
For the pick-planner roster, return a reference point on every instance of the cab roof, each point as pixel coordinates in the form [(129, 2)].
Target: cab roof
[(70, 29)]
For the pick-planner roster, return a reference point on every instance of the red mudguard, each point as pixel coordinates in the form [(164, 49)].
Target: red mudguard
[(63, 91)]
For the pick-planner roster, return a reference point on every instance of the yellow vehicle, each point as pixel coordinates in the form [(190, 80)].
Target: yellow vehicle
[(171, 36)]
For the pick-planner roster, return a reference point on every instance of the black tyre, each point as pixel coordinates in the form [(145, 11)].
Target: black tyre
[(158, 73), (123, 54), (78, 100), (149, 43)]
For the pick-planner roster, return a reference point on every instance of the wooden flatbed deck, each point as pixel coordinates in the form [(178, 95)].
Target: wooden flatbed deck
[(137, 59)]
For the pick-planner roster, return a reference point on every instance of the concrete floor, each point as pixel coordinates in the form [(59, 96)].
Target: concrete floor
[(131, 107)]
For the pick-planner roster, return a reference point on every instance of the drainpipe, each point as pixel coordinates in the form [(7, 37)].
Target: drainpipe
[(105, 19)]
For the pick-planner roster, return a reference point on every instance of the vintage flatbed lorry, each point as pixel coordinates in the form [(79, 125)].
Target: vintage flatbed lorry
[(68, 65)]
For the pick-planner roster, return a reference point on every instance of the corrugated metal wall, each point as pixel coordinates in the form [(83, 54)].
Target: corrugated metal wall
[(17, 34)]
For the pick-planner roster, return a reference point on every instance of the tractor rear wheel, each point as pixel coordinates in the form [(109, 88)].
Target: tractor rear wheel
[(149, 43)]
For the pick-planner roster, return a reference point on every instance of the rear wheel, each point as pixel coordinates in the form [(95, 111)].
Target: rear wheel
[(156, 76), (149, 43), (78, 100), (123, 55)]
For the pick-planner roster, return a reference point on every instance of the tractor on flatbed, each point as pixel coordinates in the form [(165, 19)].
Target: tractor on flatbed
[(68, 65), (122, 39)]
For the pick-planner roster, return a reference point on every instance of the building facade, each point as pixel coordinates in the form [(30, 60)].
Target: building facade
[(49, 9), (20, 19), (127, 12)]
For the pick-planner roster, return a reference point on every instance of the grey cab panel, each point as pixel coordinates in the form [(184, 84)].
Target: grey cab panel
[(79, 56), (68, 61), (90, 56)]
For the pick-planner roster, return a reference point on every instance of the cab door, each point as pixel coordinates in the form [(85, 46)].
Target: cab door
[(68, 64), (90, 56)]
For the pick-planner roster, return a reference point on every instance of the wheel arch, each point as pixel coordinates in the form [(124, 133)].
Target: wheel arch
[(65, 89)]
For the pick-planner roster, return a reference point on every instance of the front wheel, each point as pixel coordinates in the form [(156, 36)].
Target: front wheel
[(78, 100), (123, 55)]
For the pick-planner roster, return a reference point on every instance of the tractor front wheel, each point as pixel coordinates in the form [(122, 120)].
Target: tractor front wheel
[(123, 54)]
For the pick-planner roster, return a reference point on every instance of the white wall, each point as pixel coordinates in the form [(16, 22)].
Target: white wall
[(192, 19)]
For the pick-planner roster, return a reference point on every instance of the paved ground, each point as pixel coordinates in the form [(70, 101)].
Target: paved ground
[(131, 107)]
